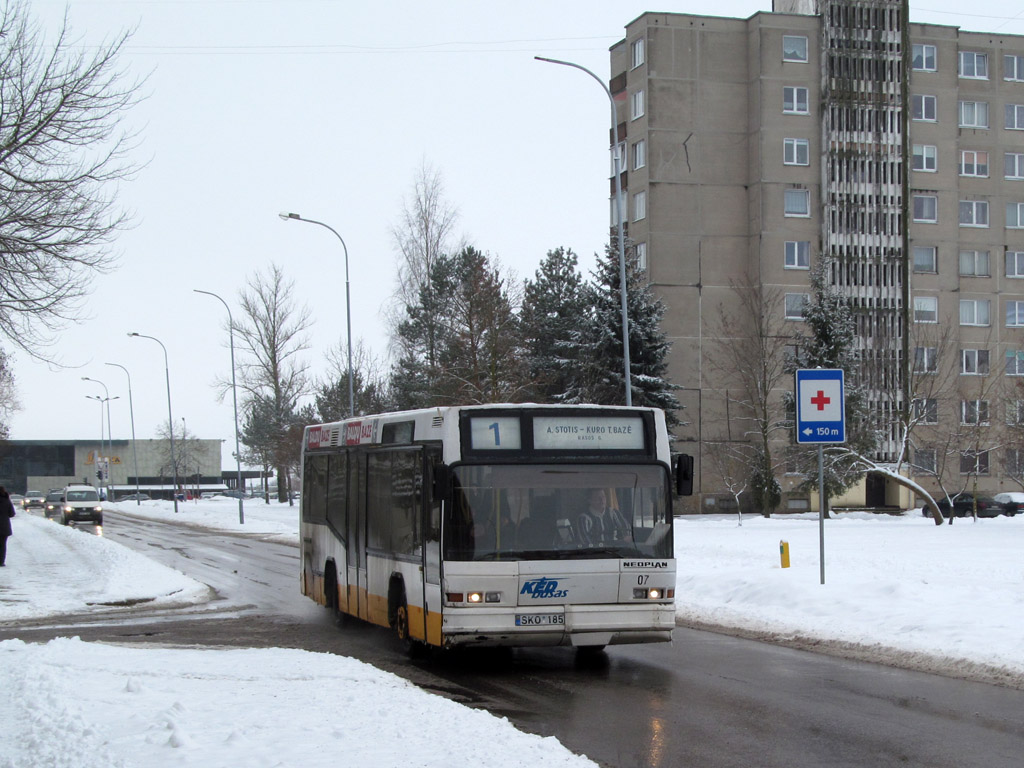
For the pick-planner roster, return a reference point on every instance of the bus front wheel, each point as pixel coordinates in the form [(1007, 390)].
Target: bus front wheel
[(413, 648)]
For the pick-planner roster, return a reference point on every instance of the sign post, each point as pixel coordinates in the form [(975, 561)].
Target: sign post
[(820, 420)]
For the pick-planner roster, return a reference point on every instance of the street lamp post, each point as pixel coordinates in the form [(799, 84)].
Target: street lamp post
[(110, 439), (618, 217), (234, 398), (348, 302), (99, 457), (131, 415), (170, 418)]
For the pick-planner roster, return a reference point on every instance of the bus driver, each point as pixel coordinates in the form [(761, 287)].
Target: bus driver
[(601, 524)]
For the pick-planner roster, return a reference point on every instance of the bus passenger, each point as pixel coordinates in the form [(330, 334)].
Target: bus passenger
[(601, 524)]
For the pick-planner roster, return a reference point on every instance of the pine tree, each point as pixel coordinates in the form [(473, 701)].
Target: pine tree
[(832, 344), (554, 307), (460, 343), (601, 377)]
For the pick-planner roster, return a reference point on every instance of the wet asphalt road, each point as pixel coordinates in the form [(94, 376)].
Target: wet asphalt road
[(704, 700)]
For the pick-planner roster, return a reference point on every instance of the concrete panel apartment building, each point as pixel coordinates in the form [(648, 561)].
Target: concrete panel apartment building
[(835, 132)]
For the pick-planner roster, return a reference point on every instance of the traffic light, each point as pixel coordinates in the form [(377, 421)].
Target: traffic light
[(99, 474)]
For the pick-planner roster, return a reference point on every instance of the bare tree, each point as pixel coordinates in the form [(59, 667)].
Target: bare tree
[(271, 335), (62, 155), (751, 355), (731, 462), (189, 453), (423, 235), (370, 389)]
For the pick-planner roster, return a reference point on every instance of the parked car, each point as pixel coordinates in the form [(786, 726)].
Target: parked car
[(135, 497), (963, 505), (18, 500), (81, 504), (54, 506), (1012, 501), (34, 499)]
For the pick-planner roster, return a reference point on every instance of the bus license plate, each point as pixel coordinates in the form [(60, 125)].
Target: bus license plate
[(539, 619)]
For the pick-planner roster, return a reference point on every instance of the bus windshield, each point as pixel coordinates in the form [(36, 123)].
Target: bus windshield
[(558, 511)]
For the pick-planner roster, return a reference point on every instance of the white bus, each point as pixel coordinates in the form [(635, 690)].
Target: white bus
[(495, 525)]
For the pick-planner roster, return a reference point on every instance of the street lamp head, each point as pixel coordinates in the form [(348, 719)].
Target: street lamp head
[(133, 334), (285, 216)]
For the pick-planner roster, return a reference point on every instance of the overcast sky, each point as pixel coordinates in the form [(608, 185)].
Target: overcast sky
[(328, 108)]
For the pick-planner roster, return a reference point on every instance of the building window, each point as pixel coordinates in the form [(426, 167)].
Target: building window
[(926, 410), (974, 362), (1013, 68), (618, 156), (798, 202), (639, 54), (974, 412), (926, 309), (639, 206), (974, 264), (795, 304), (1015, 117), (923, 108), (1015, 215), (1013, 165), (1015, 314), (973, 213), (640, 252), (794, 100), (798, 254), (975, 312), (1015, 413), (926, 259), (973, 163), (1015, 362), (925, 158), (639, 154), (796, 152), (974, 65), (794, 48), (974, 463), (637, 102), (925, 359), (1015, 263), (923, 58), (974, 114), (924, 461), (1014, 460), (926, 208)]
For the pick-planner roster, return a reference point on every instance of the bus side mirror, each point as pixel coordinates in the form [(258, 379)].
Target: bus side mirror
[(440, 480), (684, 475)]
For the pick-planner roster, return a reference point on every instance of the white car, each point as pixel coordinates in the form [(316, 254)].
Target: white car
[(1011, 502), (81, 503)]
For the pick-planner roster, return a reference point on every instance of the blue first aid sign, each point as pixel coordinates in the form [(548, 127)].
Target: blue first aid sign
[(820, 407)]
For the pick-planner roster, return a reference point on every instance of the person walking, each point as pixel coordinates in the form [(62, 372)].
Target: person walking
[(6, 513)]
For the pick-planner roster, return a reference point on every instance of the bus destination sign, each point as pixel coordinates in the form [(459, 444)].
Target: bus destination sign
[(608, 433)]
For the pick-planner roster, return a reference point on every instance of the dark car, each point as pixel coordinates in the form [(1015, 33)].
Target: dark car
[(964, 504), (1012, 501), (134, 497), (53, 508), (34, 499)]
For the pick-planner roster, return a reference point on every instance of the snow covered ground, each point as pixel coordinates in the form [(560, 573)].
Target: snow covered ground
[(947, 598)]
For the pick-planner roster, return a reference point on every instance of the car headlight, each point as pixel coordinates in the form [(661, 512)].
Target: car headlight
[(68, 509), (97, 509)]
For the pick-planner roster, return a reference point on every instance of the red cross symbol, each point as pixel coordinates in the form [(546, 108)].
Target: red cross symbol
[(820, 400)]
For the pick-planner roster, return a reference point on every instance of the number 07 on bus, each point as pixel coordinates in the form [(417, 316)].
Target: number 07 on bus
[(509, 525)]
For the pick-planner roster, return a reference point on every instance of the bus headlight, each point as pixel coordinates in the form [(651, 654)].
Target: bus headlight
[(653, 593), (476, 598)]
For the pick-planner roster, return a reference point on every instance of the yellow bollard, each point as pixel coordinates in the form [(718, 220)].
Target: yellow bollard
[(784, 553)]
